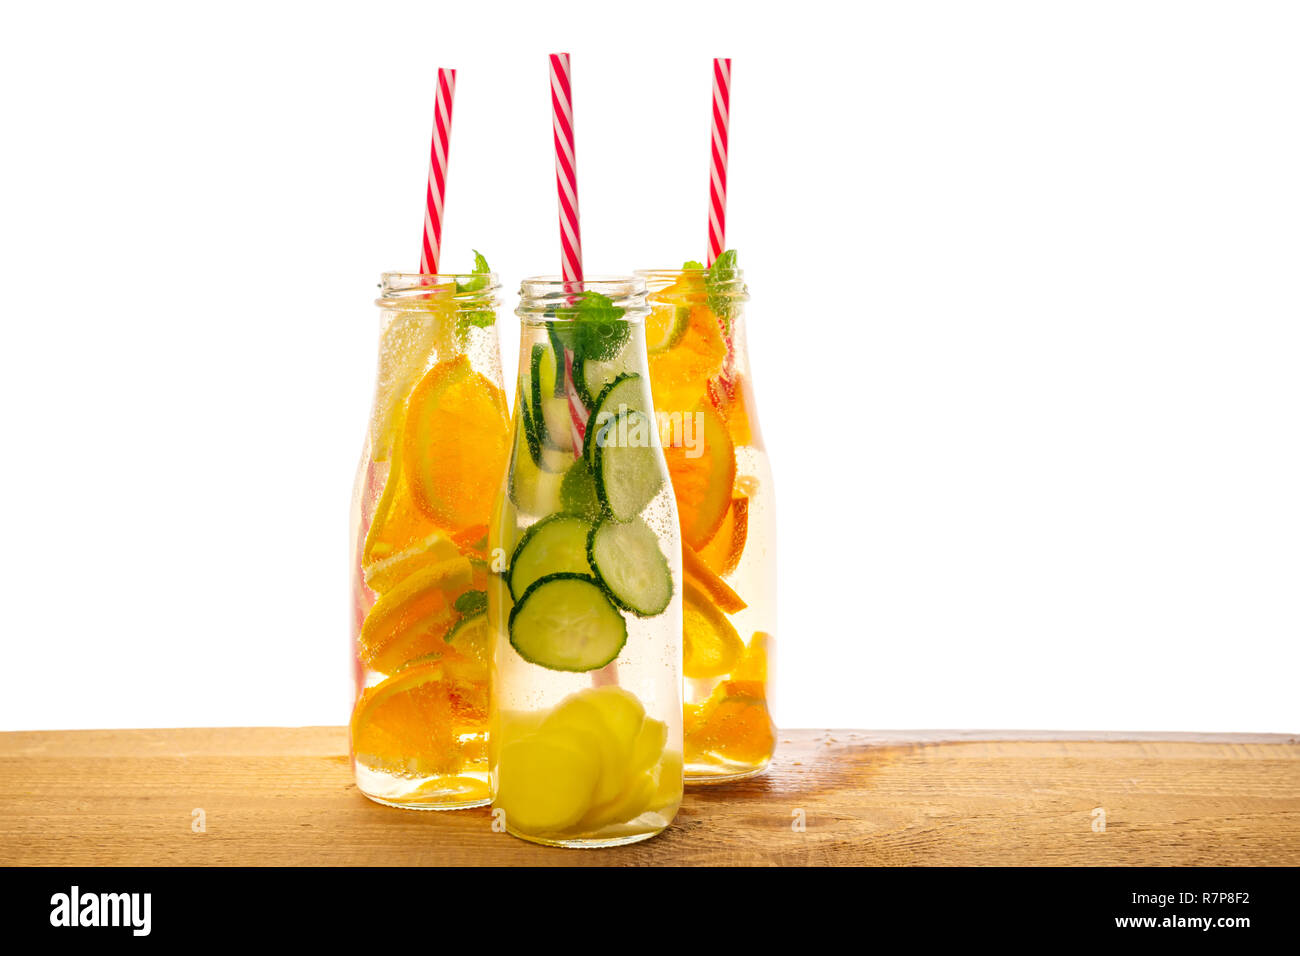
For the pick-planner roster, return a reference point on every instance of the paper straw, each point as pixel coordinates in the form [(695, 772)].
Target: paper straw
[(718, 158), (566, 185), (432, 246), (566, 168)]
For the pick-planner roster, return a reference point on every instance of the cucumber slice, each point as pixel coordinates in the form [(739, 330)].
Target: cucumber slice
[(533, 490), (590, 376), (555, 544), (557, 349), (630, 564), (550, 407), (565, 622), (626, 464), (529, 430), (625, 393)]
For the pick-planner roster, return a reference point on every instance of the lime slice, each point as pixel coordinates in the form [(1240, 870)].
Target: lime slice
[(666, 326)]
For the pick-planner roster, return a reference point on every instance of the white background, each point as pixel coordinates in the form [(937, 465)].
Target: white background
[(1024, 332)]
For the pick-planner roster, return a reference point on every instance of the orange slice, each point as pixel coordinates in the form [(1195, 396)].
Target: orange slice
[(732, 397), (404, 725), (702, 576), (680, 374), (703, 472), (735, 726), (723, 551), (753, 667), (710, 645), (400, 537), (410, 620), (454, 446), (472, 541)]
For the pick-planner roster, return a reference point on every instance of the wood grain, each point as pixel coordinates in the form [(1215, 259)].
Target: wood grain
[(285, 796)]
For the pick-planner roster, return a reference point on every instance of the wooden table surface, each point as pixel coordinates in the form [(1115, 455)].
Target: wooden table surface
[(285, 796)]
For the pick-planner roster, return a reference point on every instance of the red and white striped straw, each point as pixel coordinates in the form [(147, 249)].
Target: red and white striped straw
[(566, 184), (718, 158), (566, 168), (432, 246)]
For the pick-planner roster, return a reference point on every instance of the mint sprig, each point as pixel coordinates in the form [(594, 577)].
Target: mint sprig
[(596, 329), (722, 272), (479, 318)]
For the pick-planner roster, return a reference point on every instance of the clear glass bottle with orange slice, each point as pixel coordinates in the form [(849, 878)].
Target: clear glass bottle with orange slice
[(722, 480), (434, 454), (586, 612)]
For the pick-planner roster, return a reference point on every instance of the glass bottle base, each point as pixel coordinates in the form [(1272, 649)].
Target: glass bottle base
[(707, 774), (460, 792), (585, 843), (399, 805)]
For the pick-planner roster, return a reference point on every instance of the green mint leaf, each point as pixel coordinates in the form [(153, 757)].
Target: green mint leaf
[(720, 273), (690, 265), (481, 268), (596, 328), (478, 319), (471, 602)]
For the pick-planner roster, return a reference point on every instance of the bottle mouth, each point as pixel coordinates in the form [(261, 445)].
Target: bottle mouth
[(421, 291), (554, 298), (690, 284)]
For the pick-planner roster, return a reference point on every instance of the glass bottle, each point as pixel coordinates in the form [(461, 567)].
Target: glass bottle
[(703, 391), (436, 447), (586, 719)]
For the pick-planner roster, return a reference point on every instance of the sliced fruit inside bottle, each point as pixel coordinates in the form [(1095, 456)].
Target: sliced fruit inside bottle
[(533, 490), (625, 394), (628, 560), (666, 326), (404, 348), (590, 376), (566, 622), (455, 444), (679, 374), (724, 550), (703, 471), (710, 645), (578, 712), (668, 774), (400, 538), (704, 578), (545, 784), (732, 397), (753, 667), (468, 639), (626, 465), (553, 545), (549, 406), (408, 621), (405, 725), (734, 726)]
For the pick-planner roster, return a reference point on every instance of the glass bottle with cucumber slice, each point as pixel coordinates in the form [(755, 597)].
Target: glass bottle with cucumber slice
[(437, 444), (703, 393), (585, 605)]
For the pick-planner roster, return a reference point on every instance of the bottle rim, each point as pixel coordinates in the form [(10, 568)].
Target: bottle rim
[(540, 297), (733, 287), (420, 290)]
